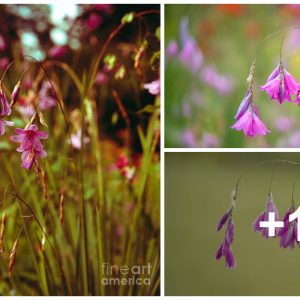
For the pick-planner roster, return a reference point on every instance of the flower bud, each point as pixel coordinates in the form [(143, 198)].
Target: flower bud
[(15, 94)]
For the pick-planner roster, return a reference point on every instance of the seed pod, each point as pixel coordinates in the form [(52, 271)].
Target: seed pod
[(15, 94), (13, 255), (3, 222), (61, 208)]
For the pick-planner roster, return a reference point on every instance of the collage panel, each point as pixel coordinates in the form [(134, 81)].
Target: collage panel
[(214, 245), (232, 76), (80, 149)]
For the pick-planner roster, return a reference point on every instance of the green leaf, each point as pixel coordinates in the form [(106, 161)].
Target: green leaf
[(128, 18), (148, 109)]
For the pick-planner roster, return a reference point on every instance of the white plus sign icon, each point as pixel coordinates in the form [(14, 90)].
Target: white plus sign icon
[(271, 224)]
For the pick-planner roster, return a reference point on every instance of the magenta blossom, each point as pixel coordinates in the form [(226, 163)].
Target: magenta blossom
[(6, 110), (30, 145), (280, 85), (288, 234), (264, 216), (244, 105), (190, 54), (4, 123), (250, 123), (153, 87), (225, 247)]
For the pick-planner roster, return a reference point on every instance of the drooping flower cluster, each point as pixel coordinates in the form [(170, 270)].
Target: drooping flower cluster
[(30, 145), (225, 248), (280, 86)]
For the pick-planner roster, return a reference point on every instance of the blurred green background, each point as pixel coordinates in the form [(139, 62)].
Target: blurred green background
[(198, 114), (197, 193)]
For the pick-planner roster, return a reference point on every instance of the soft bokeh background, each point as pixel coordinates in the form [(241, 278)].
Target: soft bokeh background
[(198, 188), (202, 98)]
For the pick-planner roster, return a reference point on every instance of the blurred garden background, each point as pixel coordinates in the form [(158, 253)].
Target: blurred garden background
[(204, 89), (88, 76), (198, 190)]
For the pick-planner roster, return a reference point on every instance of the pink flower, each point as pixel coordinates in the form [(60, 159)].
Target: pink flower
[(280, 85), (190, 54), (172, 49), (288, 234), (46, 101), (250, 123), (153, 87), (264, 216), (76, 139), (58, 52), (30, 145), (4, 62), (101, 78), (2, 43), (4, 123), (93, 21), (6, 110)]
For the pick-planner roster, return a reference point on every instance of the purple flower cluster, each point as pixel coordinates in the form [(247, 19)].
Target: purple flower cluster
[(280, 86), (287, 234), (190, 55), (30, 144), (225, 248), (29, 138)]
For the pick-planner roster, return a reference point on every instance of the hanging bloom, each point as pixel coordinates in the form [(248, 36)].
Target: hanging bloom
[(244, 105), (280, 85), (6, 110), (4, 123), (264, 216), (225, 247), (30, 145), (153, 87), (288, 234), (250, 123)]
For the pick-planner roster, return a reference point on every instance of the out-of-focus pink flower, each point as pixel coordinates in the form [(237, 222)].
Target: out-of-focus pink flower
[(186, 109), (93, 21), (101, 78), (46, 101), (283, 124), (76, 139), (221, 83), (250, 124), (209, 140), (2, 43), (30, 145), (4, 62), (153, 87), (58, 52), (4, 123), (172, 49), (188, 138), (281, 85), (291, 141), (125, 169), (190, 54)]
